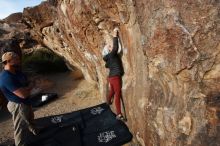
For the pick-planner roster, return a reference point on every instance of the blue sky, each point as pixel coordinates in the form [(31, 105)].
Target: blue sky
[(8, 7)]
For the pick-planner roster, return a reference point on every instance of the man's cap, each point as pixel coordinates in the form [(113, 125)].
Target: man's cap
[(8, 56)]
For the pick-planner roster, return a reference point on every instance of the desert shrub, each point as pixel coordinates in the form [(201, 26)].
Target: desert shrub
[(43, 61)]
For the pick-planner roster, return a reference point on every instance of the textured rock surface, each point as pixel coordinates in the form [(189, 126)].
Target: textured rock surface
[(14, 34), (171, 60)]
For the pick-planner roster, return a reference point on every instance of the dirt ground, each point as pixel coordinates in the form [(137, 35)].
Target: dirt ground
[(74, 94)]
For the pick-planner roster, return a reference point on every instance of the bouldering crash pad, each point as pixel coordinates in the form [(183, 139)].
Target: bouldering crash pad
[(94, 126)]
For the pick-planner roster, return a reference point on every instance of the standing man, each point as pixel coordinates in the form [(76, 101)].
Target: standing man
[(114, 63), (14, 86)]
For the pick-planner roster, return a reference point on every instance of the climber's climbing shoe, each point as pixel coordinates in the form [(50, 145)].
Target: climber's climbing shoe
[(120, 117)]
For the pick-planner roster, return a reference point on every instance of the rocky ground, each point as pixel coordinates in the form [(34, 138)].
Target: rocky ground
[(74, 94)]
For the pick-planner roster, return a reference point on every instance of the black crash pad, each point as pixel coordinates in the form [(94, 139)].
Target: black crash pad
[(62, 136), (42, 99), (114, 135), (62, 120), (96, 126)]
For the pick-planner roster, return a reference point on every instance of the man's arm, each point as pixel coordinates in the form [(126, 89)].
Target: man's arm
[(15, 87), (22, 92)]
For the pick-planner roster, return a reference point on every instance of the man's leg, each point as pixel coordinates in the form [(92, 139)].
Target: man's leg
[(20, 128), (27, 114)]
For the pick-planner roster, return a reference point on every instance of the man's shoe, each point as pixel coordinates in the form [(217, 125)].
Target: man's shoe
[(37, 130)]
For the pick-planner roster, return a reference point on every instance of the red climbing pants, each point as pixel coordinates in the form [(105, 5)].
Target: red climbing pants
[(115, 89)]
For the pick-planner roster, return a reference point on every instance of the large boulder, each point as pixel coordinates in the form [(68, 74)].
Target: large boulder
[(15, 35), (171, 60)]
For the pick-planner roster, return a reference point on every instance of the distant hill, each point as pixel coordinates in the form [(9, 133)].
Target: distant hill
[(13, 18)]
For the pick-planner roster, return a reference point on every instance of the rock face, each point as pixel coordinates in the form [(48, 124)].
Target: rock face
[(171, 60), (15, 35)]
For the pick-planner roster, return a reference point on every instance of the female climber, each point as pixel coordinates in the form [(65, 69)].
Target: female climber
[(116, 71)]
